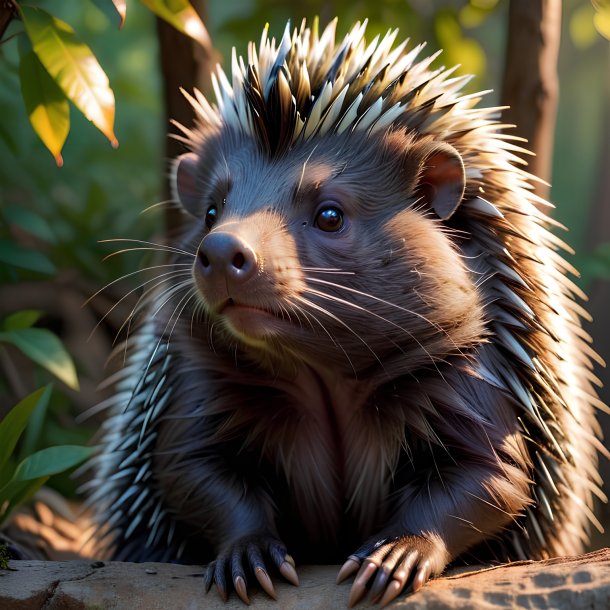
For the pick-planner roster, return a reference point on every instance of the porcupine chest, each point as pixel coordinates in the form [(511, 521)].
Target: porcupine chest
[(313, 443), (330, 457)]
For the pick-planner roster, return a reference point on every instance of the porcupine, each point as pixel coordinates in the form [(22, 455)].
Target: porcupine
[(368, 349)]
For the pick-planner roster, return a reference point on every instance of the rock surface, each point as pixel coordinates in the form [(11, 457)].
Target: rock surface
[(572, 583)]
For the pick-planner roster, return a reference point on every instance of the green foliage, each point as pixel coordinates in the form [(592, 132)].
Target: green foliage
[(44, 348), (4, 557), (39, 344), (19, 480), (56, 66)]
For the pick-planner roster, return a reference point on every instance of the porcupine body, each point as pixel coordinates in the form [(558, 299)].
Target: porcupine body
[(371, 348)]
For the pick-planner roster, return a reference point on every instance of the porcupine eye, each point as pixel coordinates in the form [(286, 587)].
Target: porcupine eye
[(329, 219), (211, 216)]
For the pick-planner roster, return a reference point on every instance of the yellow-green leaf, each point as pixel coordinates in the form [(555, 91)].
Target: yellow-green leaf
[(582, 28), (115, 10), (44, 348), (46, 104), (21, 319), (181, 15), (73, 66), (602, 21)]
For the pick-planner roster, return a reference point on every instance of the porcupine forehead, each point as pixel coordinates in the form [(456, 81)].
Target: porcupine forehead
[(364, 170)]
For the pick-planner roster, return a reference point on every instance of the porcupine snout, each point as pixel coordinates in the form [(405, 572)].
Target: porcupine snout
[(226, 256)]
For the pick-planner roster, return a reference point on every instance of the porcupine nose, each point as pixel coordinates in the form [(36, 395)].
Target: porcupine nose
[(226, 254)]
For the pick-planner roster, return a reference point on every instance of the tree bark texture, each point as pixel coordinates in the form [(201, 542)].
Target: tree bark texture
[(530, 85), (186, 64)]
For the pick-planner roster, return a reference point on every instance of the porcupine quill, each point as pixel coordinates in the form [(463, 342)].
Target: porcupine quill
[(376, 355)]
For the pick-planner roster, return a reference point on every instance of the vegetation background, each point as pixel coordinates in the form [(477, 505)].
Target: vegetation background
[(53, 219)]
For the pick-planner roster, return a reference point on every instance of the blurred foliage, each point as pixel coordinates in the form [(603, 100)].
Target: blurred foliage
[(23, 473), (39, 344), (56, 66), (56, 217)]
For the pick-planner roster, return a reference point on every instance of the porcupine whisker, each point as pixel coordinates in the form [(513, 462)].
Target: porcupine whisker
[(123, 277), (330, 270), (191, 296), (198, 311), (336, 299), (307, 315), (169, 203), (153, 246), (284, 310), (138, 249), (169, 294), (300, 310), (379, 300), (396, 345), (173, 291), (166, 276), (324, 311), (142, 298)]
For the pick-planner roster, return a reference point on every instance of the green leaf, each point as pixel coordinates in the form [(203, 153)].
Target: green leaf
[(44, 348), (45, 103), (29, 221), (15, 421), (17, 492), (13, 254), (9, 140), (181, 15), (33, 431), (73, 66), (51, 460), (21, 319), (115, 10)]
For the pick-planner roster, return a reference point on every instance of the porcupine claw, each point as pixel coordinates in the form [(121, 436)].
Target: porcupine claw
[(247, 555), (348, 568), (389, 565)]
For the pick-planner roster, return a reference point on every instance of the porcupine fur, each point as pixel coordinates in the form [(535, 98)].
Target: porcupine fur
[(485, 392)]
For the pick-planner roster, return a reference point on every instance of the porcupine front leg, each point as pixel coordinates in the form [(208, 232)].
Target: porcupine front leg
[(229, 508), (476, 485), (248, 538)]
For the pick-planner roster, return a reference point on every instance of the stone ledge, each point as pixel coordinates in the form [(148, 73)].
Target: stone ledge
[(572, 583)]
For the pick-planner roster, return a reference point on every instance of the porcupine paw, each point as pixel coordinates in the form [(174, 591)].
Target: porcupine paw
[(245, 558), (387, 565)]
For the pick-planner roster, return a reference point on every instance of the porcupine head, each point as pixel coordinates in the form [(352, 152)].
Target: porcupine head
[(330, 197)]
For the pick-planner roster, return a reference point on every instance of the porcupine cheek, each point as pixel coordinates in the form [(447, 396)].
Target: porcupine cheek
[(243, 271)]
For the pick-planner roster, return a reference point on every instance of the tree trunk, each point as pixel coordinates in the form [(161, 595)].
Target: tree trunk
[(186, 64), (530, 84)]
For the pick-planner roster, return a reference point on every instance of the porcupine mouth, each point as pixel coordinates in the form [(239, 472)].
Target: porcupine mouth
[(250, 321)]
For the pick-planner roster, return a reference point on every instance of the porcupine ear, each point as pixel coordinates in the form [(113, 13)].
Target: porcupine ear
[(184, 182), (442, 179)]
